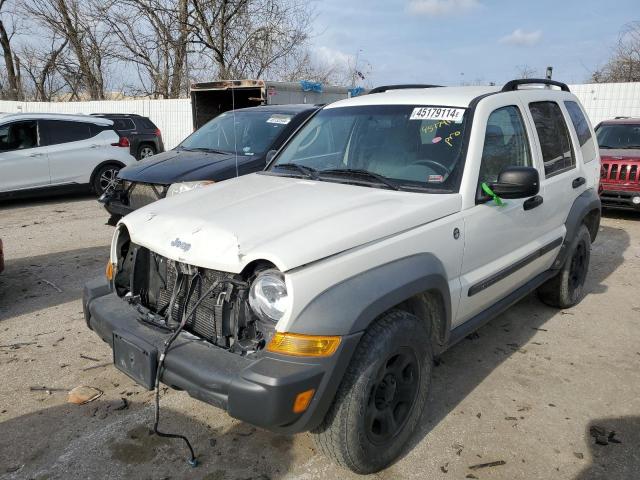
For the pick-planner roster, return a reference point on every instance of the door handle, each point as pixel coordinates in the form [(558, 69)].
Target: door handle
[(533, 202), (35, 154), (578, 182), (95, 145)]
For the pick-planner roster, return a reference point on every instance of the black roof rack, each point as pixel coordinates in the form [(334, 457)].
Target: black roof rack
[(385, 88), (514, 84)]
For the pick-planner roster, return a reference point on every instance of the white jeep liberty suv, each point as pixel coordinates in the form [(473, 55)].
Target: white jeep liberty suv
[(315, 294)]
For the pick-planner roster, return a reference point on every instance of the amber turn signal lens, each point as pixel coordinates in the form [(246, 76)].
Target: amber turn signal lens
[(303, 345), (109, 271), (303, 399)]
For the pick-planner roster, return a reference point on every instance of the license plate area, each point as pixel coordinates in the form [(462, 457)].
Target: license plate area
[(136, 358)]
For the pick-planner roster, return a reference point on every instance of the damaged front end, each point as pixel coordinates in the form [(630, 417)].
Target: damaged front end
[(213, 335), (126, 196), (163, 291)]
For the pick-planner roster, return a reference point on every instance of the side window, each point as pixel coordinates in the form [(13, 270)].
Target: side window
[(581, 125), (553, 134), (123, 124), (61, 131), (505, 143), (19, 136)]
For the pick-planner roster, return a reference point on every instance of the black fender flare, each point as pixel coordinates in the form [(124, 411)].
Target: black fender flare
[(587, 203), (350, 306)]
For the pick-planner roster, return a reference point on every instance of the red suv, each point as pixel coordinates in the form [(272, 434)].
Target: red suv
[(619, 142)]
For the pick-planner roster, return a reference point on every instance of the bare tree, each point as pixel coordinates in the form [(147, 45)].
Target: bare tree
[(152, 35), (42, 71), (78, 23), (624, 64), (525, 71), (13, 90), (250, 38)]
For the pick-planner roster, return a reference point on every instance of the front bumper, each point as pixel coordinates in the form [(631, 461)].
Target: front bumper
[(260, 391), (114, 205), (621, 199)]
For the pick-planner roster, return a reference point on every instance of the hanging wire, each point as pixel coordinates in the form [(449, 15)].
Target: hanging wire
[(235, 137)]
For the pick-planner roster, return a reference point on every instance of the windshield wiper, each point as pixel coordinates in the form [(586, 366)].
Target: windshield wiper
[(205, 149), (354, 172), (306, 171)]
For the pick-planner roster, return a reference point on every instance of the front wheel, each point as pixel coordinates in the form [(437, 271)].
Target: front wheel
[(381, 397), (566, 289), (105, 178)]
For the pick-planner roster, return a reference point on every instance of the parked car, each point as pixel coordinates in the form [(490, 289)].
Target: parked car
[(41, 152), (145, 139), (314, 295), (211, 154), (619, 141), (1, 257)]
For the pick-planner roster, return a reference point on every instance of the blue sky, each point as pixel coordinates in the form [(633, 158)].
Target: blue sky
[(451, 41)]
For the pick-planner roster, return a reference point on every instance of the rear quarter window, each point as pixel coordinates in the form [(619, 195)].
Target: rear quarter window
[(123, 124), (146, 123), (581, 125)]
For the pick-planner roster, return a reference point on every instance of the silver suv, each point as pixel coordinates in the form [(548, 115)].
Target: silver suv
[(314, 295)]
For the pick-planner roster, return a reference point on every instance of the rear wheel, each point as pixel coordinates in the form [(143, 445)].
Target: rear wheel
[(104, 178), (566, 289), (145, 151), (381, 397)]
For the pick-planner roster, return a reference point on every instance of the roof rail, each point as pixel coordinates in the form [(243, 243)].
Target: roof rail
[(385, 88), (514, 84)]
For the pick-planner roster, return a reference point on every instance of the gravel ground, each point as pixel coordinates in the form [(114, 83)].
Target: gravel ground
[(527, 390)]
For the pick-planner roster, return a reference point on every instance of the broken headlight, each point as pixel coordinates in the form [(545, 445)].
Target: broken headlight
[(268, 296), (182, 187)]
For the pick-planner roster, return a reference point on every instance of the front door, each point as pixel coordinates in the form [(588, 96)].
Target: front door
[(505, 245), (23, 161)]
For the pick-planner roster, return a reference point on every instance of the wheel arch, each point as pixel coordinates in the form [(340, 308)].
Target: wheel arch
[(586, 210), (416, 284), (103, 164)]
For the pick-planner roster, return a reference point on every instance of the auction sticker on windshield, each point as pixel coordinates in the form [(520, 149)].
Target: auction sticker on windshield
[(437, 113), (280, 119)]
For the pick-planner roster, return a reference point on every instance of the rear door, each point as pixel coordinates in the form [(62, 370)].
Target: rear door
[(23, 158), (563, 177), (74, 150)]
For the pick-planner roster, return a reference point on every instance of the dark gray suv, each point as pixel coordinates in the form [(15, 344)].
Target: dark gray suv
[(144, 137)]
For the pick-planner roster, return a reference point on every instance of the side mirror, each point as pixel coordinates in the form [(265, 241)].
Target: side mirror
[(269, 156), (517, 182)]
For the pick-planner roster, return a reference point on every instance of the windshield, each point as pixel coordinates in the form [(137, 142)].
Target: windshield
[(253, 134), (619, 135), (401, 146)]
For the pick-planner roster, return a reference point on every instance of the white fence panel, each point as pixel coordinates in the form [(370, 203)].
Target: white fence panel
[(603, 101), (172, 117)]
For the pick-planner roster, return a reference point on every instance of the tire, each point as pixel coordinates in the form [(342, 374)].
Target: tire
[(386, 383), (104, 178), (145, 150), (566, 289)]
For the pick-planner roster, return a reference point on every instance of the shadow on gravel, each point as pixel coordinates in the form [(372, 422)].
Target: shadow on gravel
[(467, 364), (34, 283), (96, 441), (610, 459), (44, 199), (621, 214)]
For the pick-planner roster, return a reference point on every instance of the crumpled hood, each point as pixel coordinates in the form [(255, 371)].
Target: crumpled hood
[(176, 166), (288, 221)]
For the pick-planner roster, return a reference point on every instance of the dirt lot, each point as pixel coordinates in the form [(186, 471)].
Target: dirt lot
[(526, 390)]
